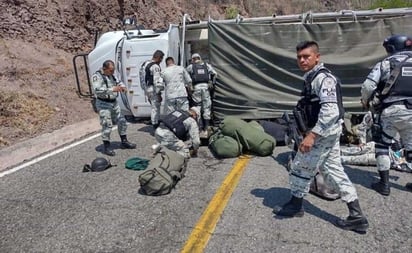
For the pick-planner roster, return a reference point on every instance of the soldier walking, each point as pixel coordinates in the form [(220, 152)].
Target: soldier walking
[(322, 105)]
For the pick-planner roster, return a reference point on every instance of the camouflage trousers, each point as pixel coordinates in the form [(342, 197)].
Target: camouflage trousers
[(110, 114), (155, 105), (201, 97), (325, 155), (175, 104), (168, 139), (396, 119), (359, 155)]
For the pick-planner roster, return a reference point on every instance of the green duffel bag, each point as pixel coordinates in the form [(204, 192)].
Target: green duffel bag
[(230, 126), (252, 137), (223, 146), (258, 141), (163, 172)]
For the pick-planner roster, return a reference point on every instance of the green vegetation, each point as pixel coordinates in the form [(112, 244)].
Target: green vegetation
[(388, 4), (231, 12)]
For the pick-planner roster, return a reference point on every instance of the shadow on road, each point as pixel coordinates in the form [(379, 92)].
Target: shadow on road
[(278, 196), (366, 178)]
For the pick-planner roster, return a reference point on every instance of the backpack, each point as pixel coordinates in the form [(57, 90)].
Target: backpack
[(163, 172)]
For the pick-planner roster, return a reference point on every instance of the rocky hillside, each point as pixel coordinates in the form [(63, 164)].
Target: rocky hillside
[(38, 39)]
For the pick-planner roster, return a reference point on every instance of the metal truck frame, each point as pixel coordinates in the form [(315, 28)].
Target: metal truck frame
[(129, 48)]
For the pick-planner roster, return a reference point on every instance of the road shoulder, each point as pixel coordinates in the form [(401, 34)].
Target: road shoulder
[(32, 148)]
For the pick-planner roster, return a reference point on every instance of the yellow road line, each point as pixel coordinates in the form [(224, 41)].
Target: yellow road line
[(206, 225)]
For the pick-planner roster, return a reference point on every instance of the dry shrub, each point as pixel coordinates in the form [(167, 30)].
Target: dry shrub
[(22, 113)]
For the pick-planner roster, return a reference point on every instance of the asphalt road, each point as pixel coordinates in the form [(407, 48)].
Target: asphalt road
[(52, 206)]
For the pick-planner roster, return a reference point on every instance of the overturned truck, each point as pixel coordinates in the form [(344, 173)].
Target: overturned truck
[(258, 77)]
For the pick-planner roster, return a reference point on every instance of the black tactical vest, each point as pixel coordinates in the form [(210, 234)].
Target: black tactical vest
[(174, 121), (149, 76), (200, 73), (310, 103), (399, 83)]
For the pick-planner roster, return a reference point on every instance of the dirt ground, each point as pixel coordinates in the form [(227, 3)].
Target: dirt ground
[(38, 92)]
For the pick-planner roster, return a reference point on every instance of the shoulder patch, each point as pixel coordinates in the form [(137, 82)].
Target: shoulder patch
[(327, 92), (94, 78)]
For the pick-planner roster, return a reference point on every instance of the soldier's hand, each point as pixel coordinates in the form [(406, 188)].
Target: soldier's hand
[(211, 85), (307, 143), (119, 89)]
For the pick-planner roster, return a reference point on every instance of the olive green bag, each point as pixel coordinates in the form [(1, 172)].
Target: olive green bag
[(163, 172), (223, 146), (251, 135)]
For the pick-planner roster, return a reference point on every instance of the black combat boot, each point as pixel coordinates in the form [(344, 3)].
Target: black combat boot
[(107, 149), (409, 186), (356, 221), (383, 185), (294, 208), (126, 144)]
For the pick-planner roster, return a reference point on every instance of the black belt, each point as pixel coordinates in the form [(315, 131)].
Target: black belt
[(107, 100)]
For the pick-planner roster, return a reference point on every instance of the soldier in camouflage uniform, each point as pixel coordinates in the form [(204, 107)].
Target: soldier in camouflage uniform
[(177, 80), (364, 154), (203, 77), (153, 85), (320, 148), (388, 91), (106, 90), (179, 131)]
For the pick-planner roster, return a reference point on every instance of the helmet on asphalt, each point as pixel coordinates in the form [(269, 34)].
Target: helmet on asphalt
[(397, 43), (100, 164)]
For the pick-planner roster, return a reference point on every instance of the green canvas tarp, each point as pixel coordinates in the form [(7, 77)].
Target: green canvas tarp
[(256, 62)]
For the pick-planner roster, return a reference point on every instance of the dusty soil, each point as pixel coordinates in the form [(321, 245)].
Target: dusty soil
[(38, 39), (37, 92)]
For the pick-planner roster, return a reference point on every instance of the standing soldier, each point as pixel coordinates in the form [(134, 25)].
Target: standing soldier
[(388, 91), (322, 105), (152, 84), (106, 89), (177, 81), (179, 131), (203, 78)]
